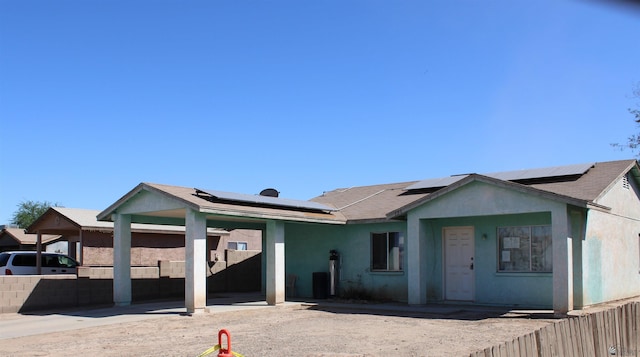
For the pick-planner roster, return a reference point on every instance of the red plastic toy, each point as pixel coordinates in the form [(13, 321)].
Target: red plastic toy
[(224, 352)]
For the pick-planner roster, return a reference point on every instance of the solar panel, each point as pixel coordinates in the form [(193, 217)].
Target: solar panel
[(556, 171), (266, 200), (528, 174), (438, 182)]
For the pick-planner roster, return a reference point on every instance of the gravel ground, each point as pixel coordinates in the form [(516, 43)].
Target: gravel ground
[(299, 330)]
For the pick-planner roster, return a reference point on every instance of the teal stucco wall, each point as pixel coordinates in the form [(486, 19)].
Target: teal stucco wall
[(491, 286), (307, 249)]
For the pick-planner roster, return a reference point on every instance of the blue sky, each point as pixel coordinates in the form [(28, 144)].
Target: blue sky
[(304, 96)]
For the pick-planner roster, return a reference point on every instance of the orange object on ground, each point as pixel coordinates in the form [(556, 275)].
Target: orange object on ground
[(224, 352)]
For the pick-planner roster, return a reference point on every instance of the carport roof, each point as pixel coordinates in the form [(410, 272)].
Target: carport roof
[(86, 220), (180, 198)]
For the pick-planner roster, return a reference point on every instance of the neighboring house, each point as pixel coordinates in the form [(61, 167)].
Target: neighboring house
[(561, 237), (18, 239), (91, 241)]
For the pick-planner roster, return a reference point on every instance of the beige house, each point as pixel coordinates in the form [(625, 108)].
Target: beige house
[(18, 239)]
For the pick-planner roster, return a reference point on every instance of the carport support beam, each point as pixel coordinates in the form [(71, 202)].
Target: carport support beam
[(121, 259), (275, 262), (195, 293)]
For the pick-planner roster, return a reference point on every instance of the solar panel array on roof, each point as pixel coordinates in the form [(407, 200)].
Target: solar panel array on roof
[(266, 200), (556, 171), (438, 182), (547, 172)]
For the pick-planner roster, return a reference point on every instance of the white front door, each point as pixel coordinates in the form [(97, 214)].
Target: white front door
[(458, 263)]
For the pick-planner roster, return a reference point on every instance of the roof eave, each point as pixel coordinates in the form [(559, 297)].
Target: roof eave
[(274, 216), (632, 167)]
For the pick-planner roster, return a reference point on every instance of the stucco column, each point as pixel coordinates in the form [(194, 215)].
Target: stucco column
[(416, 279), (195, 282), (275, 263), (121, 259), (562, 262)]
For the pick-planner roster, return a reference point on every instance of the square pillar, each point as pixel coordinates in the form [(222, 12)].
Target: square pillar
[(195, 282), (562, 262), (275, 262), (416, 279), (121, 259)]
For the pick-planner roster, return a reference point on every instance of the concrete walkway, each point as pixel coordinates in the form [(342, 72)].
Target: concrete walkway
[(40, 322)]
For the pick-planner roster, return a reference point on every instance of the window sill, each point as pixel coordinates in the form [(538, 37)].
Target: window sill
[(522, 274), (387, 272)]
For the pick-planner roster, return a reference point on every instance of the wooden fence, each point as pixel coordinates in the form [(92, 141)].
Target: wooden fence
[(613, 332)]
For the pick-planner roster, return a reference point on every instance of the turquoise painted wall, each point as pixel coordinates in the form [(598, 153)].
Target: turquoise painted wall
[(307, 249), (491, 287)]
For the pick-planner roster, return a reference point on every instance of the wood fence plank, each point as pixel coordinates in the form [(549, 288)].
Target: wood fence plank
[(611, 330), (487, 352), (621, 323), (555, 349), (545, 347), (528, 340), (635, 330), (509, 348), (558, 337), (564, 329), (615, 328), (598, 334), (495, 352), (576, 336), (502, 350), (538, 343), (521, 347), (587, 336)]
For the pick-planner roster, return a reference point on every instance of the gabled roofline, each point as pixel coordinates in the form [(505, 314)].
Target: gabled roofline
[(105, 215), (496, 182), (632, 167), (46, 213)]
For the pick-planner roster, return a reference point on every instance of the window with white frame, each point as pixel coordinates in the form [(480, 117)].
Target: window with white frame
[(525, 249), (237, 245), (387, 250)]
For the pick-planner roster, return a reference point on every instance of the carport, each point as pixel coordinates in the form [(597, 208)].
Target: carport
[(197, 210)]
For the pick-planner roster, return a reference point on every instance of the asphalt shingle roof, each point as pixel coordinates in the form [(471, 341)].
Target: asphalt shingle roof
[(372, 203)]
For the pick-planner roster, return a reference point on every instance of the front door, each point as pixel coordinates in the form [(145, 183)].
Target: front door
[(458, 260)]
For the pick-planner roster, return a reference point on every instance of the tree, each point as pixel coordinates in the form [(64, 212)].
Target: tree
[(633, 142), (29, 211)]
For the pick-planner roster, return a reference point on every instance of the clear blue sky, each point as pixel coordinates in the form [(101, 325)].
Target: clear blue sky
[(304, 96)]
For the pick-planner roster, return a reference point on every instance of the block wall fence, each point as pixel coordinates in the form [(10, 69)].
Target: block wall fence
[(93, 286)]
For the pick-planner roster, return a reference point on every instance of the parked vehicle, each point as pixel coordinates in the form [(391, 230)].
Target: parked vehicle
[(24, 263)]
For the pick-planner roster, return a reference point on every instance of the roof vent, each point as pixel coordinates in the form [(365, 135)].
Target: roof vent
[(269, 192)]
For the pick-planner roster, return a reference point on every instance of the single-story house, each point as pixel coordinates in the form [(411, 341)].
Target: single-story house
[(13, 238), (559, 237), (91, 241)]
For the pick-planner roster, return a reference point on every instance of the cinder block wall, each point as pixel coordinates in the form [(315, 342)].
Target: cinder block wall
[(34, 292), (94, 285)]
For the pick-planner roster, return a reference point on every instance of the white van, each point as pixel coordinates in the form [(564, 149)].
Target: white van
[(24, 263)]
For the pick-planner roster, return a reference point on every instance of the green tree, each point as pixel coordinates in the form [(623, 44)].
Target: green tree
[(633, 142), (29, 211)]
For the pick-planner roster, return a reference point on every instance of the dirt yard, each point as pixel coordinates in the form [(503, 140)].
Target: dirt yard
[(288, 331)]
